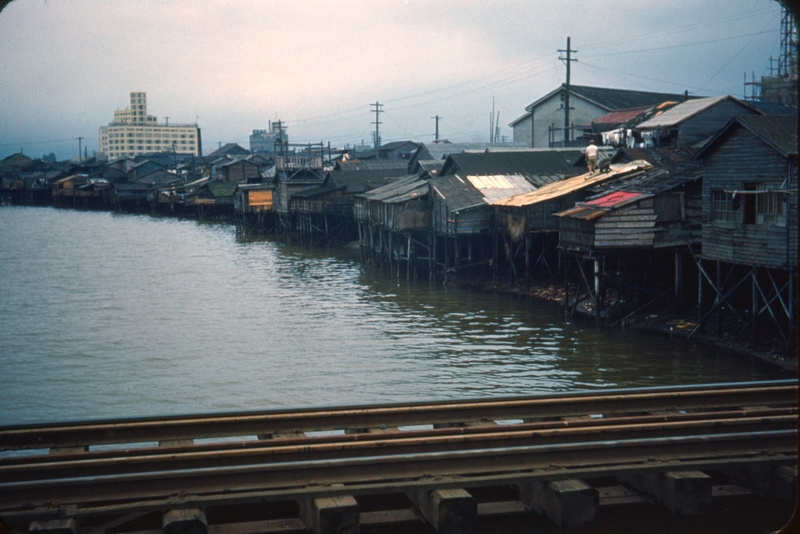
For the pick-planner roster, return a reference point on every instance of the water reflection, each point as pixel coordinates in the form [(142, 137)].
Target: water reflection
[(105, 315)]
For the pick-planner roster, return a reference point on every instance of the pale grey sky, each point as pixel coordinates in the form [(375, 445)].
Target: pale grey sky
[(234, 65)]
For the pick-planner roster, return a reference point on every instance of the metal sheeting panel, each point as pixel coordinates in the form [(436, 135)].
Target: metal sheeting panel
[(498, 187), (681, 112), (570, 185)]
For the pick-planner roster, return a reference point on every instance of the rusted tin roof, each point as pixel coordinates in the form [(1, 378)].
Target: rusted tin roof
[(570, 185), (612, 200), (620, 116), (596, 208)]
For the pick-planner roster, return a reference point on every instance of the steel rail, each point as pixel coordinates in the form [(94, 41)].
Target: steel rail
[(68, 466), (390, 434), (86, 433), (397, 468)]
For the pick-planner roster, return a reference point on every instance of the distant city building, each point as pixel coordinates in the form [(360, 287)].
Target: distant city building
[(269, 141), (134, 132)]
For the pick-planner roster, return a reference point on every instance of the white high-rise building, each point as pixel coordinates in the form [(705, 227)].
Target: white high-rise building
[(134, 132)]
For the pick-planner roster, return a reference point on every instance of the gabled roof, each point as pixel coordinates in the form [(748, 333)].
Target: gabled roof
[(471, 191), (607, 98), (396, 144), (778, 131), (403, 190), (577, 183), (773, 108), (229, 149), (430, 167), (541, 166), (236, 161), (353, 182), (437, 151), (685, 110), (157, 176), (388, 190), (370, 164), (360, 181), (145, 162)]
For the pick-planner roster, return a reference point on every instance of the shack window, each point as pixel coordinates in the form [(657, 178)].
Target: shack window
[(669, 207), (725, 207), (770, 205)]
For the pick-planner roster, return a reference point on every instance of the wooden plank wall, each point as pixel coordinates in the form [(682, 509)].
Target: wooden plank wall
[(742, 157), (629, 226), (709, 122)]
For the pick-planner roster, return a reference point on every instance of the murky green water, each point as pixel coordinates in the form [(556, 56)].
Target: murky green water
[(105, 315)]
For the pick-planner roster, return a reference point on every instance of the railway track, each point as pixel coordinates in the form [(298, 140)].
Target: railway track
[(141, 465)]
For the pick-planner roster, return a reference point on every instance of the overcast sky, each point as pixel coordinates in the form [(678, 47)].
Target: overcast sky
[(234, 65)]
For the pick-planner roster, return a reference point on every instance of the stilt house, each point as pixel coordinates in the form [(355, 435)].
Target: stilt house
[(750, 224)]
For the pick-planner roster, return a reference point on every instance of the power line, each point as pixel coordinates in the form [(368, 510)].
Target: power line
[(71, 139), (640, 50)]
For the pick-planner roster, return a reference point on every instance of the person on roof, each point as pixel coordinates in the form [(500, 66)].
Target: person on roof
[(591, 156)]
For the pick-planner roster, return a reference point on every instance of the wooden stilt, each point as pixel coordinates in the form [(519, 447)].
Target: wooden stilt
[(754, 288)]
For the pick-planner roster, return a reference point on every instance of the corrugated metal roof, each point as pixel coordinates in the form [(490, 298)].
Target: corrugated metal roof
[(621, 116), (571, 185), (409, 192), (462, 193), (498, 187), (388, 191), (679, 113)]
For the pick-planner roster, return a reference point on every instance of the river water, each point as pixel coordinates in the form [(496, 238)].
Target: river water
[(109, 315)]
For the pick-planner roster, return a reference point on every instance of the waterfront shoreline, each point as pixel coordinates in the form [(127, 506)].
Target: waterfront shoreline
[(657, 320)]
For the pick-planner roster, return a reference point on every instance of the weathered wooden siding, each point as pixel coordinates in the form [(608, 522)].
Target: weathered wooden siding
[(740, 158), (629, 226), (709, 122), (575, 234), (473, 221), (693, 208), (413, 215), (440, 214)]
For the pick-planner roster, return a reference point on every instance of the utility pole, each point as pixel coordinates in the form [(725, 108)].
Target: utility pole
[(568, 60), (79, 149), (491, 124), (437, 117), (378, 111)]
